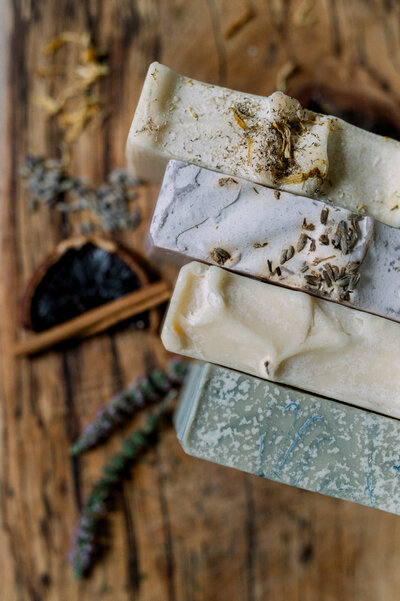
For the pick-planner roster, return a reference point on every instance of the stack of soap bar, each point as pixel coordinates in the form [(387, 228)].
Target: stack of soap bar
[(285, 336), (285, 239), (311, 233), (269, 140), (289, 436)]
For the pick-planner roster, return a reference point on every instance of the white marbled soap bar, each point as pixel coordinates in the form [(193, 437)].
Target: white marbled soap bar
[(286, 336), (279, 237), (269, 140), (290, 436)]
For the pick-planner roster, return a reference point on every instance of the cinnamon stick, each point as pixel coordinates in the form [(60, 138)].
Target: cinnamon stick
[(125, 314), (96, 320)]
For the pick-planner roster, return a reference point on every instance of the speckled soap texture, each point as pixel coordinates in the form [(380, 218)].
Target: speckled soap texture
[(199, 211), (290, 436), (268, 140)]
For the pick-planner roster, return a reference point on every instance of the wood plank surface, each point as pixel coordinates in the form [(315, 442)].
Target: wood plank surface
[(182, 529)]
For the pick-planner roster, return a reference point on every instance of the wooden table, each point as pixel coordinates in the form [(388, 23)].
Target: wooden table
[(182, 529)]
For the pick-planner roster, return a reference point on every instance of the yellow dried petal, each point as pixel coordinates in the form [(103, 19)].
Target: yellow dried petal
[(89, 55), (249, 147), (238, 120), (91, 72), (49, 104), (60, 40), (192, 112)]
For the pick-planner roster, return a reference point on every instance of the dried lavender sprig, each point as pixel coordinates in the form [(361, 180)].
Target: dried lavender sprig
[(122, 406), (85, 545), (48, 183), (46, 180)]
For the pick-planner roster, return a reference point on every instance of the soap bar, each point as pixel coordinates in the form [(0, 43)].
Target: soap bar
[(290, 240), (290, 436), (269, 140), (286, 336)]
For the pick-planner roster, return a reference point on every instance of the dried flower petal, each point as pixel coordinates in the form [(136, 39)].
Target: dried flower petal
[(51, 105), (74, 104)]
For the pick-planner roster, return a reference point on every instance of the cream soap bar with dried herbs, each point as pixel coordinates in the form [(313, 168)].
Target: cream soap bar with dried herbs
[(269, 140), (285, 336), (290, 436), (290, 240)]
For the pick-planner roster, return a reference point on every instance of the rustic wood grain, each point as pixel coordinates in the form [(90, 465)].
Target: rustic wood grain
[(182, 529)]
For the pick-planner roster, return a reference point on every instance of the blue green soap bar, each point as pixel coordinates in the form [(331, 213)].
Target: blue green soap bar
[(290, 436)]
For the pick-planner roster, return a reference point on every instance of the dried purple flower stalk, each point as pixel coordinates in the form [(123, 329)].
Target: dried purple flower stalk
[(142, 392), (85, 544)]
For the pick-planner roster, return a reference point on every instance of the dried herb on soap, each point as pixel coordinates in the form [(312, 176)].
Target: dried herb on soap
[(346, 237), (324, 216), (327, 278), (142, 392), (318, 260), (273, 146), (302, 241), (238, 119), (344, 280), (308, 226), (193, 113), (47, 182), (220, 255), (223, 181), (314, 281), (353, 267), (287, 254), (249, 149), (285, 168)]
